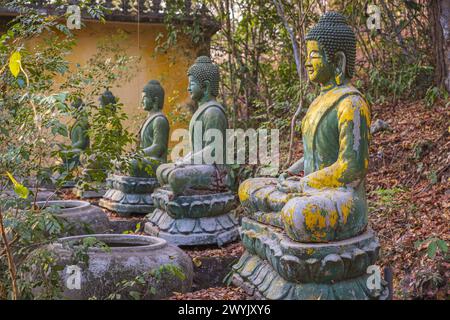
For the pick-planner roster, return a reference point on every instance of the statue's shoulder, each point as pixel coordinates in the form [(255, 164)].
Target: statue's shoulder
[(215, 108), (350, 103), (212, 109), (349, 95), (161, 120)]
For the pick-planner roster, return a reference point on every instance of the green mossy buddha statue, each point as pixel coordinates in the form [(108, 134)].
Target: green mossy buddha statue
[(154, 134), (92, 182), (130, 192), (78, 131), (191, 173), (310, 233), (329, 203), (79, 138), (194, 205)]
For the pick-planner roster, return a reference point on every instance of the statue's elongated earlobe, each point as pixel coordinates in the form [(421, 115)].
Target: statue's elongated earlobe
[(341, 65), (207, 87)]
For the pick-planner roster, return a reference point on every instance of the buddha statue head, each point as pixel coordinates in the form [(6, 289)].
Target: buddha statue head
[(107, 99), (204, 78), (153, 96), (331, 50)]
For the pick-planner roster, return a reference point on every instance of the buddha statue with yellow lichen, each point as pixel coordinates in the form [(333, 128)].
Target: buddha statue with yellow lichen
[(309, 234)]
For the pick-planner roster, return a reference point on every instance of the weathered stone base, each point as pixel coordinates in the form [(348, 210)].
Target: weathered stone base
[(126, 210), (68, 184), (276, 267), (217, 230), (89, 194), (129, 195), (259, 280)]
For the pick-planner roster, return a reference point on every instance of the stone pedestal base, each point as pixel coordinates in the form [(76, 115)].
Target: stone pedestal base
[(193, 232), (276, 267), (90, 194), (129, 195), (193, 220)]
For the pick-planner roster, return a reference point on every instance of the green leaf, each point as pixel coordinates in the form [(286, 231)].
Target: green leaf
[(442, 245), (138, 227), (432, 247), (418, 243), (14, 64), (135, 295), (19, 189)]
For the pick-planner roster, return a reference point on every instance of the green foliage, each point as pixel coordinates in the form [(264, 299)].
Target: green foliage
[(261, 86), (32, 104), (145, 285), (80, 249), (433, 245), (386, 200), (433, 94), (27, 232)]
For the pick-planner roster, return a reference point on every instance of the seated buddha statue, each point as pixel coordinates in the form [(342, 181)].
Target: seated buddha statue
[(130, 191), (329, 202), (192, 173), (78, 136), (79, 142), (91, 183), (194, 205), (154, 133), (306, 238)]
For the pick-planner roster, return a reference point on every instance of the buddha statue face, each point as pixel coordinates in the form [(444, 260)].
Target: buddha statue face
[(331, 51), (204, 80), (152, 96), (198, 90), (319, 69)]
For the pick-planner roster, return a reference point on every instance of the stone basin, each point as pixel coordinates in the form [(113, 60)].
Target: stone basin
[(128, 257), (79, 217)]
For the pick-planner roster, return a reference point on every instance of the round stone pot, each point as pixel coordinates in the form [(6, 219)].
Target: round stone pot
[(79, 217), (128, 257)]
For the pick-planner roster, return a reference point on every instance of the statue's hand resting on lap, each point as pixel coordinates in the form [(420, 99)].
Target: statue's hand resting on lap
[(290, 185)]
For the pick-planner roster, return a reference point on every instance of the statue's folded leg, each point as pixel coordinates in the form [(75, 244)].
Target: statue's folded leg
[(202, 176), (163, 171), (322, 216)]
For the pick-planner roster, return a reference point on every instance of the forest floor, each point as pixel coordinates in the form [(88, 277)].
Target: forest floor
[(409, 199), (409, 196)]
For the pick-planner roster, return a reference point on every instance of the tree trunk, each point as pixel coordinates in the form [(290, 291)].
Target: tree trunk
[(440, 19)]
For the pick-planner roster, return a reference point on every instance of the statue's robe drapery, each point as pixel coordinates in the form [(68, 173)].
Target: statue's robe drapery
[(193, 172), (154, 139), (331, 203), (79, 141), (78, 134)]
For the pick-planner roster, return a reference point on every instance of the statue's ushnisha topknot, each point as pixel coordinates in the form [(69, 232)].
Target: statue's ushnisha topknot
[(204, 69), (334, 34)]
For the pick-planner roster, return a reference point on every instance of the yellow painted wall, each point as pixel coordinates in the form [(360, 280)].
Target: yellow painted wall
[(170, 69)]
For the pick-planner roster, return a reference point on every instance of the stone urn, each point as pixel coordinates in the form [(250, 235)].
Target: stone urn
[(79, 217), (160, 267)]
